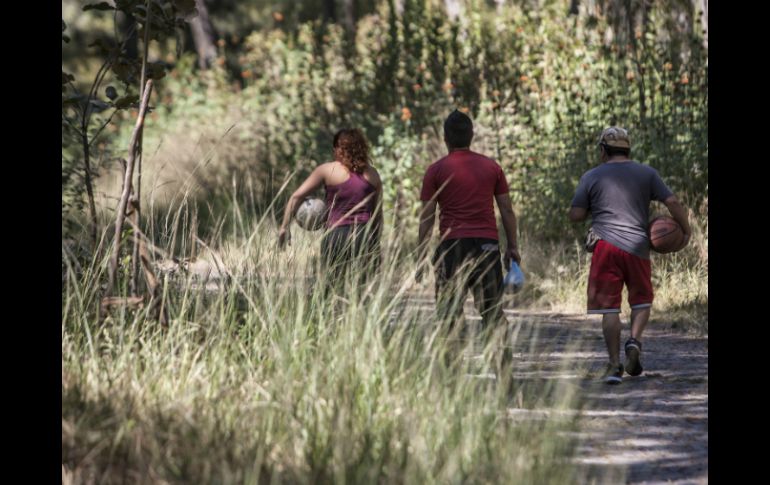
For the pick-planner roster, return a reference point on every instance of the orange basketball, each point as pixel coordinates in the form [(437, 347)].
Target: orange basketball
[(666, 235)]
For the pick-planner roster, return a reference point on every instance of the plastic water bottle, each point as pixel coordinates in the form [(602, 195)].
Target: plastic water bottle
[(514, 280)]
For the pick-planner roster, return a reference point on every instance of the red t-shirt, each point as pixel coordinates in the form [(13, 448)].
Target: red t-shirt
[(470, 181)]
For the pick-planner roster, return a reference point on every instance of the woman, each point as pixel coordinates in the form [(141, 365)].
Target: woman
[(353, 196)]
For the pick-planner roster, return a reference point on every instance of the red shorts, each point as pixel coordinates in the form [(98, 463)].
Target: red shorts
[(611, 267)]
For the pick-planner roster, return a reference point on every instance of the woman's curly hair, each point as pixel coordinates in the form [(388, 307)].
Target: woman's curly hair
[(352, 149)]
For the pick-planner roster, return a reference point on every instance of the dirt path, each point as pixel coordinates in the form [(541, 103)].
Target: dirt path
[(649, 429)]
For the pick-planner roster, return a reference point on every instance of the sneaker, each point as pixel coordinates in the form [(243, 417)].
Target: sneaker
[(613, 374), (633, 357)]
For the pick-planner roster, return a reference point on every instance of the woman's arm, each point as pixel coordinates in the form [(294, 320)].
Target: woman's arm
[(312, 183)]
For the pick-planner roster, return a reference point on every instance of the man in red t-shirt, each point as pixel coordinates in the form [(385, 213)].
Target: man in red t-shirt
[(464, 184)]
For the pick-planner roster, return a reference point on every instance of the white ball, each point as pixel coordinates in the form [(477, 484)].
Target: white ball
[(311, 214)]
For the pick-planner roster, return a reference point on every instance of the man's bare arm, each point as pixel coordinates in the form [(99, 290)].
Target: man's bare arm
[(679, 213), (313, 182), (578, 214), (509, 224)]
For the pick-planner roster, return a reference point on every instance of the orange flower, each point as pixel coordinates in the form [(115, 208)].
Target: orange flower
[(406, 114), (220, 61), (278, 16), (496, 93), (246, 73), (523, 78), (221, 42), (448, 86), (416, 86), (630, 76), (668, 66), (465, 109), (685, 79)]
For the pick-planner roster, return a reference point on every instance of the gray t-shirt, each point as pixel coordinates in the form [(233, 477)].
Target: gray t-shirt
[(618, 195)]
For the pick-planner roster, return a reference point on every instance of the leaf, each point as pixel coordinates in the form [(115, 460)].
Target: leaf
[(65, 77), (127, 5), (97, 105), (127, 101), (98, 6), (126, 70), (157, 13), (105, 47)]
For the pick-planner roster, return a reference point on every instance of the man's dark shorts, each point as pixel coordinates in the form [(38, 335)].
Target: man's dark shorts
[(469, 263)]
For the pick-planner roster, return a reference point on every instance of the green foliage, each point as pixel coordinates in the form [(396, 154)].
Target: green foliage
[(80, 110), (540, 86), (98, 6)]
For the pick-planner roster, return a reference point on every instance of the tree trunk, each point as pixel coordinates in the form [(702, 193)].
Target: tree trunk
[(127, 183), (90, 190), (637, 61), (399, 7), (203, 36), (329, 11), (574, 7), (703, 7), (349, 18), (453, 8), (134, 283)]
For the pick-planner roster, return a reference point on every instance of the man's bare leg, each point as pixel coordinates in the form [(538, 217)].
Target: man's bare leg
[(639, 319), (611, 329)]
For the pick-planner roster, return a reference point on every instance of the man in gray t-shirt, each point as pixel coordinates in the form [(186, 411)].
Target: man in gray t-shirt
[(618, 194)]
